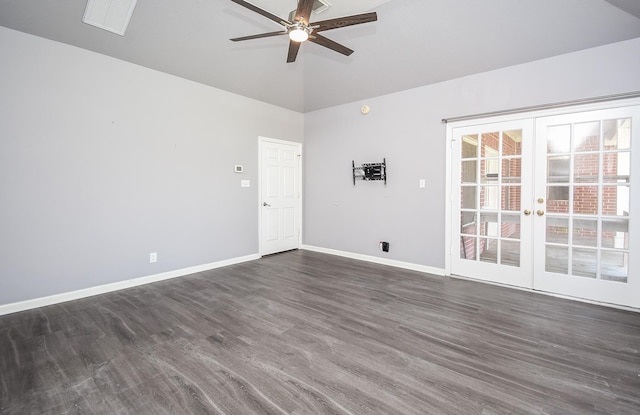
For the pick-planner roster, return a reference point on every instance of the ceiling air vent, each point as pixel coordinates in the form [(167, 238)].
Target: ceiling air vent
[(318, 7), (110, 15)]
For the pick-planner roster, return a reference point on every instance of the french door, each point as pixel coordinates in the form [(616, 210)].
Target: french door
[(548, 203), (587, 192), (491, 230)]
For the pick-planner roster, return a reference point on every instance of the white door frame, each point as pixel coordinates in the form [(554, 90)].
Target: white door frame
[(261, 140), (451, 245)]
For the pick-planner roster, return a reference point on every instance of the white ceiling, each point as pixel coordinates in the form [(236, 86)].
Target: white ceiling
[(413, 43)]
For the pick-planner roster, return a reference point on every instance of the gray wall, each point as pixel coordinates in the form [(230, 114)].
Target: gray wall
[(406, 128), (103, 162)]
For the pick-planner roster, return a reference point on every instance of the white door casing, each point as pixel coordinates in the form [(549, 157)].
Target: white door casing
[(280, 195)]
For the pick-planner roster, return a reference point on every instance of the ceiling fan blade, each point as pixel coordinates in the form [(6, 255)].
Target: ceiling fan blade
[(303, 13), (328, 43), (294, 47), (262, 12), (344, 21), (278, 33)]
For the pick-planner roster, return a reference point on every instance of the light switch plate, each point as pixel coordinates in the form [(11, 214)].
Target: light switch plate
[(423, 183)]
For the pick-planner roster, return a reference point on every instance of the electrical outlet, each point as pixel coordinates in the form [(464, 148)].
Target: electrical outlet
[(153, 257)]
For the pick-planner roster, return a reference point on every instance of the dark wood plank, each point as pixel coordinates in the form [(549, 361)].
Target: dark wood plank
[(307, 333)]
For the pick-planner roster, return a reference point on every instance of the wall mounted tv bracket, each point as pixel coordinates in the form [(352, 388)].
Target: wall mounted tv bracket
[(370, 171)]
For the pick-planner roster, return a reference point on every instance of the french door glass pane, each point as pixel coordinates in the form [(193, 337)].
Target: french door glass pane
[(511, 170), (586, 136), (510, 199), (617, 134), (488, 250), (558, 168), (615, 266), (557, 230), (489, 224), (559, 139), (510, 253), (585, 200), (490, 144), (468, 197), (468, 223), (468, 247), (511, 143), (585, 232), (615, 233), (615, 200), (556, 259), (469, 146), (489, 170), (558, 199), (510, 226), (469, 172), (585, 262), (489, 196), (616, 167), (585, 168)]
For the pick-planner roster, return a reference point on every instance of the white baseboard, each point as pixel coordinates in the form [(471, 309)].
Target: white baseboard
[(120, 285), (377, 260)]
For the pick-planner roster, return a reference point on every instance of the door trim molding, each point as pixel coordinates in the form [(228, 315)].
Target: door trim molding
[(262, 139)]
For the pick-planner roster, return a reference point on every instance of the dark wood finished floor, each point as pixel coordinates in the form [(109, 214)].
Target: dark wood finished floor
[(307, 333)]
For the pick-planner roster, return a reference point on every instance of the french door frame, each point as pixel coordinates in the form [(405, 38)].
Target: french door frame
[(451, 239)]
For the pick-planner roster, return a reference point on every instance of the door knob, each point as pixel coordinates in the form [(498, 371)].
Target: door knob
[(527, 212), (540, 212), (266, 204)]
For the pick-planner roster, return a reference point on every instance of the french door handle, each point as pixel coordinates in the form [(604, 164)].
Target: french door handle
[(266, 204), (527, 212), (540, 212)]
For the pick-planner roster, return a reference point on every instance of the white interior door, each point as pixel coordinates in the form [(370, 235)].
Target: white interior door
[(280, 191), (491, 177), (587, 205)]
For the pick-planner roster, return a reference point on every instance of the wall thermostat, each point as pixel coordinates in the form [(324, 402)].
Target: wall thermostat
[(238, 168)]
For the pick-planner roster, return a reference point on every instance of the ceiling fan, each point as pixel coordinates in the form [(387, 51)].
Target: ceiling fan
[(300, 29)]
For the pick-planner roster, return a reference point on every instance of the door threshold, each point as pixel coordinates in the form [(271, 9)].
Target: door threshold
[(550, 294)]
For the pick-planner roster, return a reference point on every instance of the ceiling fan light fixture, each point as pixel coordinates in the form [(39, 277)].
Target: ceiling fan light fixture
[(299, 33)]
